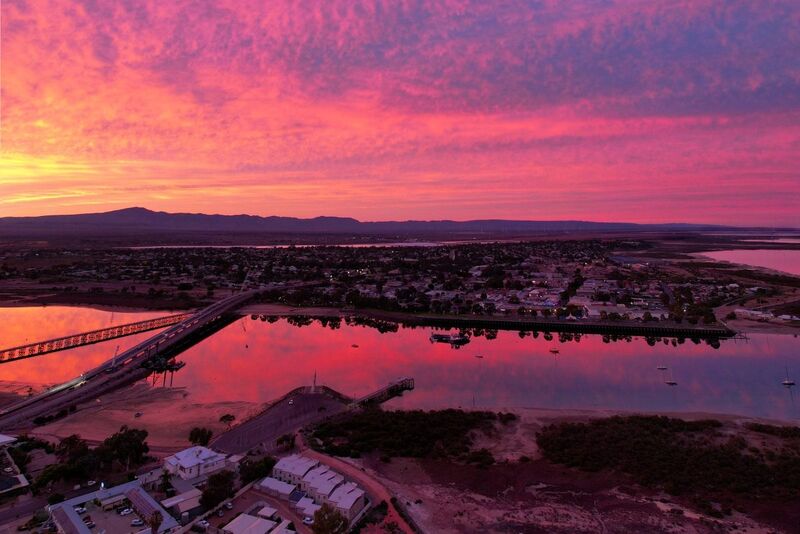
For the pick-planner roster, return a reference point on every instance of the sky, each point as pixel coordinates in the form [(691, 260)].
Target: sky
[(640, 111)]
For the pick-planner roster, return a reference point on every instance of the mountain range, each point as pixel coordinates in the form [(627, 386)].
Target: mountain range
[(142, 222)]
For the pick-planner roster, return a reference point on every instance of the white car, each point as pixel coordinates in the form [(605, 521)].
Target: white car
[(308, 520), (126, 511), (203, 523), (80, 510), (137, 522), (229, 505)]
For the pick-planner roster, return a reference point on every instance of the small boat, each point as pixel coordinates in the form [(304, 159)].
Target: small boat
[(670, 382), (354, 346), (480, 357), (554, 351), (787, 382), (662, 367), (453, 339)]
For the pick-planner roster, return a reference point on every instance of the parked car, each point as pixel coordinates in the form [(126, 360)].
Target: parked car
[(80, 510), (229, 505), (308, 520), (90, 524), (203, 523), (137, 522), (126, 511)]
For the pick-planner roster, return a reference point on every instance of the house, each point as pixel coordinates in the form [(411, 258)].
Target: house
[(348, 499), (249, 524), (293, 468), (320, 482), (275, 487), (183, 503), (194, 462)]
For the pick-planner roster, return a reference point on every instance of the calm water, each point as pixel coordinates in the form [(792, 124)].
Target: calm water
[(258, 361), (787, 261)]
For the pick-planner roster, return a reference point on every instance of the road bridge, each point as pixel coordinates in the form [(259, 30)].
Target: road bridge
[(40, 348), (127, 366)]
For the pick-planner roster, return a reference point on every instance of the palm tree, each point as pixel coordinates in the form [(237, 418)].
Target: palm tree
[(154, 521)]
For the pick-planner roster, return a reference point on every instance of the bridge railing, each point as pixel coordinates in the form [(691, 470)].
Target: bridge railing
[(87, 338)]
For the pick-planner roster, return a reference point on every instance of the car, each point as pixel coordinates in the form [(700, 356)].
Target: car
[(8, 470), (90, 483), (203, 523), (126, 511), (229, 505), (308, 520), (90, 524), (80, 510), (291, 402), (137, 522), (220, 512)]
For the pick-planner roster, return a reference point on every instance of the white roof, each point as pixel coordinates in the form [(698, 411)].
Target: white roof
[(296, 465), (249, 524), (346, 495), (325, 485), (274, 484), (5, 440), (267, 511), (181, 497), (193, 456)]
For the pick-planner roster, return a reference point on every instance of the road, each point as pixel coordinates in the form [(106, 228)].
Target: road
[(122, 370)]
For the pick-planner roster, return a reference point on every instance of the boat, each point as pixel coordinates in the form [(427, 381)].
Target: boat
[(670, 382), (354, 346), (662, 367), (787, 382), (554, 351), (480, 357), (455, 340)]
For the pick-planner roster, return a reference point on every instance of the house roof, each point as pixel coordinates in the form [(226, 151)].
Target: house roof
[(249, 524), (194, 456)]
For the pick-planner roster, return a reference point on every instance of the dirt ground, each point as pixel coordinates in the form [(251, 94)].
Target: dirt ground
[(536, 496), (168, 414)]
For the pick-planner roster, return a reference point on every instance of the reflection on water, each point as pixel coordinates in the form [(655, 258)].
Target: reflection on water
[(258, 361), (787, 261)]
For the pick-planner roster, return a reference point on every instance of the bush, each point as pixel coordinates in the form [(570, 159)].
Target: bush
[(414, 433), (679, 456), (55, 498)]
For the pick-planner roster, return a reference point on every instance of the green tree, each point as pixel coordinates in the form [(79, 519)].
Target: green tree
[(164, 481), (218, 488), (328, 520), (200, 436), (128, 446)]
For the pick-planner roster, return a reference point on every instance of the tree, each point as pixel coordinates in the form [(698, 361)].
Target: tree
[(200, 436), (71, 448), (227, 419), (154, 521), (253, 470), (328, 520), (218, 488), (165, 482), (128, 446)]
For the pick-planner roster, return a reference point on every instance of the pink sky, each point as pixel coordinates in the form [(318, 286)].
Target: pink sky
[(642, 111)]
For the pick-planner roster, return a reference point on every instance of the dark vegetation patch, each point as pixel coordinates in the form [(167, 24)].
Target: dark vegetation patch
[(690, 458), (414, 434), (786, 432)]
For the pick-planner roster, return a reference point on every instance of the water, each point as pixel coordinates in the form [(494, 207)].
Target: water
[(258, 361), (787, 261)]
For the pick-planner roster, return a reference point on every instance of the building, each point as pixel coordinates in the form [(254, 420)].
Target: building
[(249, 524), (293, 468), (100, 506), (187, 503), (348, 499), (11, 478), (320, 482), (276, 488), (195, 462)]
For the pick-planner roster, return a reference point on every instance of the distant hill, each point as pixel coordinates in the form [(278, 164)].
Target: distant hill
[(143, 222)]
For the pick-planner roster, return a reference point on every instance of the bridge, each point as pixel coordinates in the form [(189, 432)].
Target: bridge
[(87, 338), (394, 389), (127, 367)]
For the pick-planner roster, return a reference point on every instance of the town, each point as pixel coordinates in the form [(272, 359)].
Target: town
[(582, 280)]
